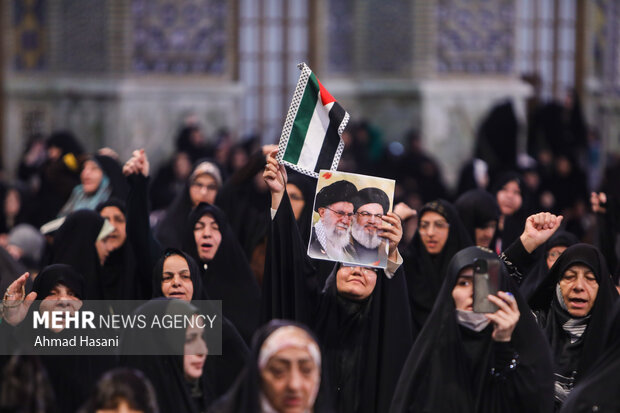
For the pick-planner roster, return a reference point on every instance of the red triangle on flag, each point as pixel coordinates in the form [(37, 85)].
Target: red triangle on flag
[(326, 97)]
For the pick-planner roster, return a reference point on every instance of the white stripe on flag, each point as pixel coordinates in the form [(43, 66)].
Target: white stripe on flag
[(315, 136)]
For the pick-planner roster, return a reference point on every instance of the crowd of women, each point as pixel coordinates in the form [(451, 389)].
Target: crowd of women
[(302, 335)]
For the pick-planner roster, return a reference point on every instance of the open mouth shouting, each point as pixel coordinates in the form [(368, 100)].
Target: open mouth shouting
[(206, 247), (577, 302)]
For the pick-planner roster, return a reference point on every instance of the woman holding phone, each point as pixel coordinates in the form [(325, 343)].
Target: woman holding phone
[(474, 362)]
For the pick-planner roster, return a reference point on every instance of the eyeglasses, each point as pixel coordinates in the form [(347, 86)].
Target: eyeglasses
[(202, 187), (365, 270), (341, 214), (368, 215), (439, 225)]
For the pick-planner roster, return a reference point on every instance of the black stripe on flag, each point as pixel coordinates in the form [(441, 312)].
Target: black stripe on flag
[(332, 139)]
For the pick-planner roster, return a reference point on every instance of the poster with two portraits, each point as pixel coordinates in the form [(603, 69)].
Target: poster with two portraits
[(346, 222)]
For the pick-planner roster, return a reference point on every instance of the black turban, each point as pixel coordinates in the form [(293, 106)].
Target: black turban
[(340, 191), (372, 196)]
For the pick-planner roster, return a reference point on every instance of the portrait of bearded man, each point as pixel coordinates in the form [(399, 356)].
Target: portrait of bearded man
[(370, 205), (330, 237)]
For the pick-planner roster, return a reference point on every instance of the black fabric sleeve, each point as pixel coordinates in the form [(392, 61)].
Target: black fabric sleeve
[(505, 360), (517, 260), (139, 235), (515, 384), (290, 284)]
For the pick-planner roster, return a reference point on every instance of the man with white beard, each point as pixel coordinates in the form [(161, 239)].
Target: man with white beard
[(331, 234), (370, 205)]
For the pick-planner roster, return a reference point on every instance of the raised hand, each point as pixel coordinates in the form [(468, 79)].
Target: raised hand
[(404, 211), (505, 319), (267, 149), (275, 177), (109, 152), (15, 303), (137, 164), (598, 202), (538, 229)]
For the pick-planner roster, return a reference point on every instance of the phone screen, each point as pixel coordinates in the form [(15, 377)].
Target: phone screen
[(486, 281)]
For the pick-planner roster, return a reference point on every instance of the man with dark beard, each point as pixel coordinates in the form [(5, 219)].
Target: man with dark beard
[(370, 205), (330, 235)]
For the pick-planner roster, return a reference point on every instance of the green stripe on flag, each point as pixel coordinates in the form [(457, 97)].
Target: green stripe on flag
[(302, 120)]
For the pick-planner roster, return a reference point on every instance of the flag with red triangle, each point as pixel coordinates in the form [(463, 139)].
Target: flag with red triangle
[(311, 137)]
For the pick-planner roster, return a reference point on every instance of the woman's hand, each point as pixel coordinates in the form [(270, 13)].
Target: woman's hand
[(15, 304), (138, 164), (404, 211), (538, 229), (275, 177), (505, 319), (598, 202)]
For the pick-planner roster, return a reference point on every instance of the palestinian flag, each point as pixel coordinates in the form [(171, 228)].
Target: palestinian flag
[(311, 137)]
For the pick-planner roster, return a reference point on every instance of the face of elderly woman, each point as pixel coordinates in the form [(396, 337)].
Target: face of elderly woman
[(176, 280), (61, 299), (356, 282), (579, 290), (290, 378), (117, 219)]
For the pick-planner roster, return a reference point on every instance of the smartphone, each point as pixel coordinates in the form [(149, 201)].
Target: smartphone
[(486, 281)]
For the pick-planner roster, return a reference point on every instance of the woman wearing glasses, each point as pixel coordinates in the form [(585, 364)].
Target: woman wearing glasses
[(202, 186), (439, 236)]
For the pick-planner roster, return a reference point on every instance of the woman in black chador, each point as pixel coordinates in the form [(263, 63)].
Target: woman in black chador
[(572, 306), (202, 186), (60, 288), (479, 213), (599, 391), (226, 273), (176, 275), (83, 242), (439, 236), (123, 277), (471, 362), (173, 359), (551, 251), (359, 314), (206, 237)]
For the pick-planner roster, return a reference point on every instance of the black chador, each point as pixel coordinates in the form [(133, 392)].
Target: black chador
[(227, 276), (365, 342), (425, 272), (456, 366), (600, 389), (221, 370), (576, 342)]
